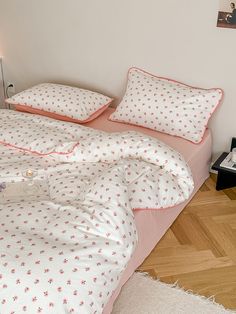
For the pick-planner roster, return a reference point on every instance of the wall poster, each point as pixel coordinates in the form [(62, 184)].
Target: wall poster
[(227, 14)]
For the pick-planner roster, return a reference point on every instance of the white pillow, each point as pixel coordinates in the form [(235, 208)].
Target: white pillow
[(167, 106), (61, 102)]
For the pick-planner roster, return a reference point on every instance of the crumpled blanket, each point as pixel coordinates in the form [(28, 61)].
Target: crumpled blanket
[(67, 234)]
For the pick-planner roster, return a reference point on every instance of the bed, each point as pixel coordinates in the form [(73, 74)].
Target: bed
[(158, 221), (83, 204)]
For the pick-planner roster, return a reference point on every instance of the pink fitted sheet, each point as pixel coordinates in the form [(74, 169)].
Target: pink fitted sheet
[(152, 224)]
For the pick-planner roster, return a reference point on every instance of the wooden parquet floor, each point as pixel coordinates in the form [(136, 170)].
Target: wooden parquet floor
[(199, 250)]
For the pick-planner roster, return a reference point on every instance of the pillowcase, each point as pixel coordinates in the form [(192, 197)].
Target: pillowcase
[(166, 105), (61, 102)]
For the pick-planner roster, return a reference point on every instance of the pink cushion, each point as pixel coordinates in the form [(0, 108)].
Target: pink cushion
[(166, 105), (61, 102)]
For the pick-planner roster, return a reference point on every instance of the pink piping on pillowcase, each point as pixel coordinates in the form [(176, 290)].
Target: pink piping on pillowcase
[(171, 80), (145, 127), (40, 154), (25, 108)]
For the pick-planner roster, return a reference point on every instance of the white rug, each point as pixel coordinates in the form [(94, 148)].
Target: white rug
[(143, 295)]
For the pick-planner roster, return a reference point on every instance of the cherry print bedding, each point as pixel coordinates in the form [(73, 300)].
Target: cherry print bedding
[(168, 106), (64, 250)]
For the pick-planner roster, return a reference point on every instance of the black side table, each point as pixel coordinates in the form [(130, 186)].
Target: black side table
[(226, 178)]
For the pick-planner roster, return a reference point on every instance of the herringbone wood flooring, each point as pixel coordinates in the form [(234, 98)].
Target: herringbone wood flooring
[(199, 250)]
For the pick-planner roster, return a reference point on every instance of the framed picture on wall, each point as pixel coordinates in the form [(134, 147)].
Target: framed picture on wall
[(227, 14)]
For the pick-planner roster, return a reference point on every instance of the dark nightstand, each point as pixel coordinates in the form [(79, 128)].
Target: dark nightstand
[(226, 178)]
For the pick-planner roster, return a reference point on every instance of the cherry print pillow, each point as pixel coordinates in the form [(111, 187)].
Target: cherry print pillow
[(61, 102), (166, 105)]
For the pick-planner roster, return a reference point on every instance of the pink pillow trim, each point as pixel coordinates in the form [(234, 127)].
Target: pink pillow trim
[(24, 108), (38, 153), (145, 127), (171, 80)]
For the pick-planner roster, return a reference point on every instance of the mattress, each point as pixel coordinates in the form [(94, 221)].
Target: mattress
[(152, 224)]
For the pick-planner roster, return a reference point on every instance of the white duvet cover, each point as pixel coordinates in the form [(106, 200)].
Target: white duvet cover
[(66, 237)]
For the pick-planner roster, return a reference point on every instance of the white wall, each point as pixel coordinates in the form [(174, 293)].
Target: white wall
[(93, 43)]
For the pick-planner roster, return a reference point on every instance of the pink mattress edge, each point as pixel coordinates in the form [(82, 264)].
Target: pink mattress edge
[(198, 157)]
